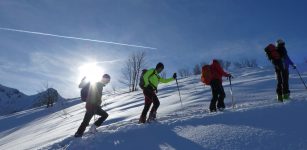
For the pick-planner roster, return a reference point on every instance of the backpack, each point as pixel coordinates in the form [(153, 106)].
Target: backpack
[(84, 92), (272, 52), (206, 74), (141, 82)]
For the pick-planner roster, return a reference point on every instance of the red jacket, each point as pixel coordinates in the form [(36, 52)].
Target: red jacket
[(218, 71)]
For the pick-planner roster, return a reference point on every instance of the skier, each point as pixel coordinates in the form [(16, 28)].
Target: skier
[(279, 57), (151, 80), (93, 102), (218, 93)]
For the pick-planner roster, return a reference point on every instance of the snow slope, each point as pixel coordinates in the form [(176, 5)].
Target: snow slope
[(12, 100), (258, 122)]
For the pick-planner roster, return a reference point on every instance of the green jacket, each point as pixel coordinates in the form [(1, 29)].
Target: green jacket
[(152, 78)]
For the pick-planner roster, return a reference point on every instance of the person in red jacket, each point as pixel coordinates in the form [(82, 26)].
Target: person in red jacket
[(218, 93)]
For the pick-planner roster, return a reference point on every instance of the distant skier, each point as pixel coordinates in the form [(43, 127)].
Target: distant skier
[(149, 83), (93, 102), (212, 75), (279, 57)]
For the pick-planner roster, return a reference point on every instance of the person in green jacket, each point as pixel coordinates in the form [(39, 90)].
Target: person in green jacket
[(151, 80)]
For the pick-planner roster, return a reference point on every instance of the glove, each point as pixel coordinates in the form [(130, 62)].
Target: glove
[(175, 76), (229, 76), (294, 66)]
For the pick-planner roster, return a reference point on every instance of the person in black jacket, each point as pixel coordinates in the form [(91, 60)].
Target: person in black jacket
[(281, 61), (283, 73), (93, 102)]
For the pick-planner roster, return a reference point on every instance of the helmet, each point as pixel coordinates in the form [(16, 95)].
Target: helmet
[(280, 41)]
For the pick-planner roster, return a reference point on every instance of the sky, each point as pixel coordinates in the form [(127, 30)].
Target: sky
[(181, 34)]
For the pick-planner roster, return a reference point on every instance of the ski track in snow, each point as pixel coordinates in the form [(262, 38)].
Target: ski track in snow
[(257, 122)]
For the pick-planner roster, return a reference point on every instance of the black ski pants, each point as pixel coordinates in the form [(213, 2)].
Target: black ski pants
[(150, 97), (88, 116), (282, 75), (218, 95)]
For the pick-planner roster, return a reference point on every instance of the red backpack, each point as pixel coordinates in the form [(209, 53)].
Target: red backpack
[(206, 74), (272, 52)]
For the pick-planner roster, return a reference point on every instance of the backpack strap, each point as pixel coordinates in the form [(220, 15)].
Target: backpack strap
[(153, 73)]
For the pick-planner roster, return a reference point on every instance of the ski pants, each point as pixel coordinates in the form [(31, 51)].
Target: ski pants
[(282, 75), (218, 95), (88, 116), (150, 97)]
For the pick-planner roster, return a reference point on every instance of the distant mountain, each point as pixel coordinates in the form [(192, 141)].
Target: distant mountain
[(12, 100)]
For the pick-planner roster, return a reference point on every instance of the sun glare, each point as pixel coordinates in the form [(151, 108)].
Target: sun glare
[(91, 71)]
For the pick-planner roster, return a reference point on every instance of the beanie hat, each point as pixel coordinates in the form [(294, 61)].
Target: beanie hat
[(160, 65)]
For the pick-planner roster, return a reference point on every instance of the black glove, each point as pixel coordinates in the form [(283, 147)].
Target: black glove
[(229, 76), (175, 76), (294, 66)]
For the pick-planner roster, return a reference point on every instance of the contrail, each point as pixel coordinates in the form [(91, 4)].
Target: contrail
[(75, 38)]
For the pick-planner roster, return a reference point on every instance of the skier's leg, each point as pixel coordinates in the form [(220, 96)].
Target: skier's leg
[(86, 120), (286, 91), (220, 103), (279, 82), (156, 104), (214, 91), (103, 116), (144, 112), (147, 105)]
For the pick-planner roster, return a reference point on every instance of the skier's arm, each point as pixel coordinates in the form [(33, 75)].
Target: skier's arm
[(162, 80), (83, 82), (221, 71), (289, 60), (286, 57)]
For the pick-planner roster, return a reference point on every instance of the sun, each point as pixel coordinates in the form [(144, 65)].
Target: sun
[(91, 71)]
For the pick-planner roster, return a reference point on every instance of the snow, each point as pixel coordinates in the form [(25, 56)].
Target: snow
[(257, 122), (12, 100)]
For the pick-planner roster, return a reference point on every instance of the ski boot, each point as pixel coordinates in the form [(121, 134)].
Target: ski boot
[(152, 117), (78, 135), (279, 98), (142, 119), (286, 96)]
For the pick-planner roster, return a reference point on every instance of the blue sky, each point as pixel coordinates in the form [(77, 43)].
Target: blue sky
[(185, 32)]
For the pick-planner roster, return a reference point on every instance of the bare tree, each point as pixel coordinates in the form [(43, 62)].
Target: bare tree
[(114, 89), (48, 95), (127, 75), (221, 62), (131, 72), (227, 64), (246, 63), (184, 72), (196, 69)]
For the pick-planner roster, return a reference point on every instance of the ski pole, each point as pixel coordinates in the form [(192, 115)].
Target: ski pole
[(301, 77), (179, 92), (233, 105)]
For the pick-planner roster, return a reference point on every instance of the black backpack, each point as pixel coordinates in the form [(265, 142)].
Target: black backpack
[(84, 92), (141, 82)]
